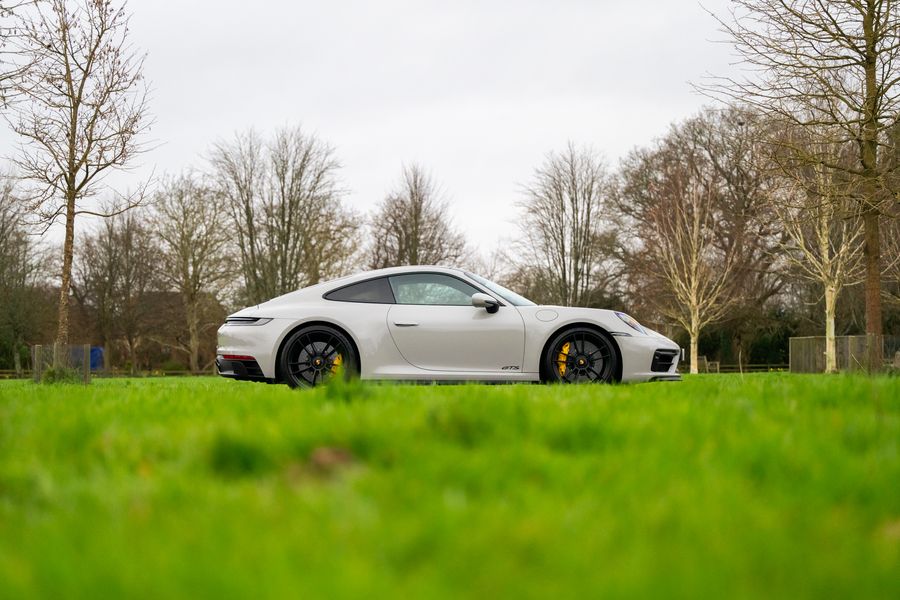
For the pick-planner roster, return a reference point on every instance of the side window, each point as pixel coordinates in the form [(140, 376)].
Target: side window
[(373, 291), (431, 288)]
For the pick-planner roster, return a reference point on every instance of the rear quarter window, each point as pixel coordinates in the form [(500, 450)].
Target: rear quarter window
[(373, 291)]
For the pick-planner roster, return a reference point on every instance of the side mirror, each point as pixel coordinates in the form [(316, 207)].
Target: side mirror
[(488, 303)]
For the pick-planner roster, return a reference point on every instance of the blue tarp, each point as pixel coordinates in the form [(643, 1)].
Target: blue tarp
[(96, 358)]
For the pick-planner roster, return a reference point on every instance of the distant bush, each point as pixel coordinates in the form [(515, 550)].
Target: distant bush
[(61, 375), (173, 365)]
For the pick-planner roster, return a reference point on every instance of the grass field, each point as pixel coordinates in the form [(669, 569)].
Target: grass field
[(720, 486)]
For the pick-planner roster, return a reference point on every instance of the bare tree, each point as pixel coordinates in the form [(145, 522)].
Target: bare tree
[(20, 271), (286, 210), (118, 278), (670, 201), (492, 265), (567, 240), (891, 223), (823, 237), (138, 280), (12, 64), (83, 106), (193, 232), (731, 143), (95, 284), (413, 226), (892, 269), (830, 67)]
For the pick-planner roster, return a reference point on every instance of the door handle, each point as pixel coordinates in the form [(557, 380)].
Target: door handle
[(405, 324)]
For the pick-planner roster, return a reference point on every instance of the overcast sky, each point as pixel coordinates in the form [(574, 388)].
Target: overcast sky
[(476, 91)]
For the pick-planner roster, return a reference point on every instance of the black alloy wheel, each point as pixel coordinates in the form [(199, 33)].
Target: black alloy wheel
[(581, 355), (314, 355)]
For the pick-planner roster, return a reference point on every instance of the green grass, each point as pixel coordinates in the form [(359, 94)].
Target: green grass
[(720, 486)]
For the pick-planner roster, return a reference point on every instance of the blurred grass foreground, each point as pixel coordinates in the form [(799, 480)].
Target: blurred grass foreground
[(721, 486)]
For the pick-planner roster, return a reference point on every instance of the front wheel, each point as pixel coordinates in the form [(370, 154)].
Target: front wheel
[(580, 355), (314, 355)]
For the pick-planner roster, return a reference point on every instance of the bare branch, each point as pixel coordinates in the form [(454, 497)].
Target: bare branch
[(565, 233), (285, 209), (83, 109), (413, 227)]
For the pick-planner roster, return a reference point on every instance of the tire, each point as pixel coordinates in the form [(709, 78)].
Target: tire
[(580, 355), (314, 355)]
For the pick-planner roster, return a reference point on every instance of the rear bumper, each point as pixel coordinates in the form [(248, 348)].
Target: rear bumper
[(243, 370), (259, 342)]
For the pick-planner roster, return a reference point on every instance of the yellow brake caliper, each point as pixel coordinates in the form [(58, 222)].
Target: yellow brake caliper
[(562, 358), (336, 365)]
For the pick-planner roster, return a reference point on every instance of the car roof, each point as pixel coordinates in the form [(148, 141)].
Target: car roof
[(394, 271), (326, 286), (319, 289), (404, 269)]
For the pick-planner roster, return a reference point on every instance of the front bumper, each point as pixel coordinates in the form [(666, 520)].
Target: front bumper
[(666, 377), (649, 358)]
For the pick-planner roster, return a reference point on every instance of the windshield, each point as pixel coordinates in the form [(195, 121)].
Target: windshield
[(508, 295)]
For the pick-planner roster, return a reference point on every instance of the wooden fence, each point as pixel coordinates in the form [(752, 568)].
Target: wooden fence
[(753, 368), (807, 354), (72, 357), (29, 374), (11, 374), (714, 366)]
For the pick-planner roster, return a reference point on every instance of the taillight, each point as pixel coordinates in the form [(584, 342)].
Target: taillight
[(237, 357)]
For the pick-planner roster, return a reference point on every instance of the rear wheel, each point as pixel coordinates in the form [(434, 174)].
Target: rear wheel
[(580, 355), (316, 354)]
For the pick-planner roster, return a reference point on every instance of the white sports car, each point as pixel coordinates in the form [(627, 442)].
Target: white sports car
[(436, 324)]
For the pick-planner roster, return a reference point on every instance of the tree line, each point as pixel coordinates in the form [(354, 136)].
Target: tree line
[(698, 230), (709, 229), (771, 213), (265, 216)]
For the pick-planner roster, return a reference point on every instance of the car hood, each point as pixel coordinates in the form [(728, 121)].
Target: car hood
[(608, 319)]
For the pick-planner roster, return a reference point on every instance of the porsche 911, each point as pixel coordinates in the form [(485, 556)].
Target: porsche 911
[(435, 324)]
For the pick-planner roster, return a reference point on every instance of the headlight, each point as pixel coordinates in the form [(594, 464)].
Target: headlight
[(630, 321)]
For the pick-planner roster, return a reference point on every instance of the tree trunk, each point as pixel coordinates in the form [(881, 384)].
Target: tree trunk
[(869, 160), (132, 356), (193, 342), (17, 360), (738, 346), (695, 338), (830, 349), (873, 284), (108, 354), (62, 331)]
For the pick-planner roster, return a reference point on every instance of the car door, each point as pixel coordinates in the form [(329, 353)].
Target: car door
[(435, 326)]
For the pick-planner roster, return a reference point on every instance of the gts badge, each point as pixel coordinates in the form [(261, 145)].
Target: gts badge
[(510, 368)]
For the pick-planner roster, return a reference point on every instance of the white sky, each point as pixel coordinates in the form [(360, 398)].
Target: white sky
[(477, 92)]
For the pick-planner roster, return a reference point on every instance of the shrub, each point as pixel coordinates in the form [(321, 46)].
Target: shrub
[(61, 375), (173, 365)]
